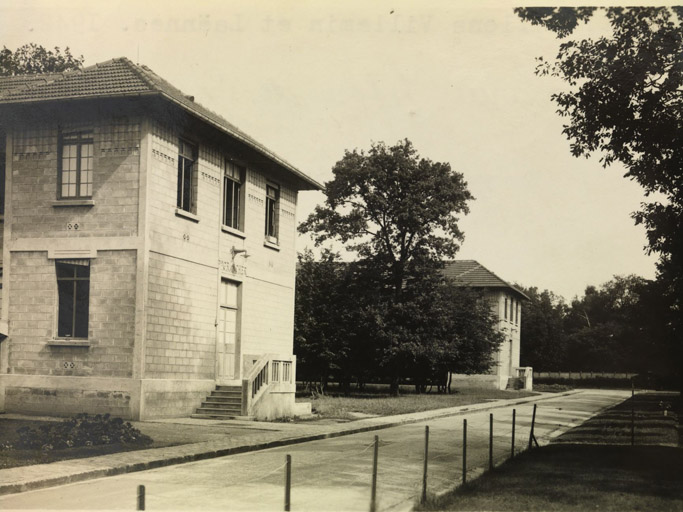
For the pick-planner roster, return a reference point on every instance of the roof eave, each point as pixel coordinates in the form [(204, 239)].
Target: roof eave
[(310, 183), (76, 98), (307, 183)]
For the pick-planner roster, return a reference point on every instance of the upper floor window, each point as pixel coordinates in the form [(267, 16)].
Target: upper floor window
[(76, 164), (187, 158), (512, 310), (233, 179), (506, 308), (272, 213), (73, 285)]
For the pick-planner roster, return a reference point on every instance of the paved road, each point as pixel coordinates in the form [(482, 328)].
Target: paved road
[(331, 474)]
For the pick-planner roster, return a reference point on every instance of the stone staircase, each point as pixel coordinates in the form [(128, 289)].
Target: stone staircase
[(225, 402)]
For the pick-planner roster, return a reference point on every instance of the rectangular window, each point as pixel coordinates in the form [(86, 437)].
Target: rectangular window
[(272, 200), (187, 158), (506, 308), (513, 305), (73, 285), (233, 178), (76, 164), (517, 313)]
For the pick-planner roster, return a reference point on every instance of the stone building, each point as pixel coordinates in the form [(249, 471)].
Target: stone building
[(148, 250), (506, 305)]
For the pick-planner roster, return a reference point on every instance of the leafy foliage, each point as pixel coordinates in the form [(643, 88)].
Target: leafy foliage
[(543, 339), (394, 207), (81, 430), (334, 317), (390, 314), (617, 327), (33, 58), (345, 328), (625, 103)]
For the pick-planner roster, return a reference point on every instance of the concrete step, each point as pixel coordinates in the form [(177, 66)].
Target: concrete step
[(224, 400), (229, 388), (221, 417), (210, 408), (226, 394), (214, 416)]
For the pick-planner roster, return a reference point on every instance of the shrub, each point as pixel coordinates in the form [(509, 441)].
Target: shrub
[(81, 430)]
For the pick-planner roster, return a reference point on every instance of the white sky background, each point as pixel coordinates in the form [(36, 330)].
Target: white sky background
[(310, 79)]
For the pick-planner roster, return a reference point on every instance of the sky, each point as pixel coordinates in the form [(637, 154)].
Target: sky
[(310, 79)]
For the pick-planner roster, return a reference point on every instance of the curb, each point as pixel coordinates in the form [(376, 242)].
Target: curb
[(405, 419)]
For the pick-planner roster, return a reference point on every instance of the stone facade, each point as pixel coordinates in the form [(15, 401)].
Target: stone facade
[(506, 308), (157, 310)]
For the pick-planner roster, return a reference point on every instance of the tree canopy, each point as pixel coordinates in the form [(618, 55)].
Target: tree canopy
[(399, 213), (346, 328), (619, 326), (394, 207), (33, 58), (625, 103)]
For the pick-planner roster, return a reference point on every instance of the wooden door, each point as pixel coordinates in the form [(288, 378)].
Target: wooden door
[(228, 329)]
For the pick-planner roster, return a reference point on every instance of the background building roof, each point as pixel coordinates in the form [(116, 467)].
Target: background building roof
[(122, 78), (473, 274)]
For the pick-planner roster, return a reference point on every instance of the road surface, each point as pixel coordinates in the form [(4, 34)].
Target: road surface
[(330, 474)]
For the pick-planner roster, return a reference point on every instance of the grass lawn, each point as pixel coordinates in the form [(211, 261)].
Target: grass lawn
[(16, 457), (578, 477), (358, 405), (574, 475)]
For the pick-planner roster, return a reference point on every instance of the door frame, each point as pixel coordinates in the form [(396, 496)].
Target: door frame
[(237, 366)]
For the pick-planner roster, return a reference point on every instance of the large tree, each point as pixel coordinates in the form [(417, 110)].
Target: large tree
[(394, 207), (345, 327), (334, 317), (625, 103), (399, 213), (33, 58)]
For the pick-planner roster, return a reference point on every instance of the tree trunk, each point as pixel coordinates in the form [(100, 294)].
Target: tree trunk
[(394, 386)]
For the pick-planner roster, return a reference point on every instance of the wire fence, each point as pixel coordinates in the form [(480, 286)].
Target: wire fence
[(440, 461), (381, 477)]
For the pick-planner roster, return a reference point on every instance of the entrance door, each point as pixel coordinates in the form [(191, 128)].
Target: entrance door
[(228, 329)]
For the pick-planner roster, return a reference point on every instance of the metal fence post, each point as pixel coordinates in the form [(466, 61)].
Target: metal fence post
[(490, 441), (288, 482), (532, 437), (373, 495), (141, 497), (464, 451), (514, 414), (426, 460)]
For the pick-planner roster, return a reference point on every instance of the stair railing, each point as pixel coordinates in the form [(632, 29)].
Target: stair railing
[(268, 370)]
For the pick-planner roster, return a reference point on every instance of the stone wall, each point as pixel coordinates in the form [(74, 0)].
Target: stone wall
[(66, 402), (181, 316), (191, 252), (36, 213), (33, 309)]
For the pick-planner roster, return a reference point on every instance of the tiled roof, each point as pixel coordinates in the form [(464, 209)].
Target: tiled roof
[(12, 82), (121, 77), (473, 274)]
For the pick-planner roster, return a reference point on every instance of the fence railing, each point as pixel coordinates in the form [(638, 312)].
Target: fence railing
[(500, 444), (270, 371), (282, 371)]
